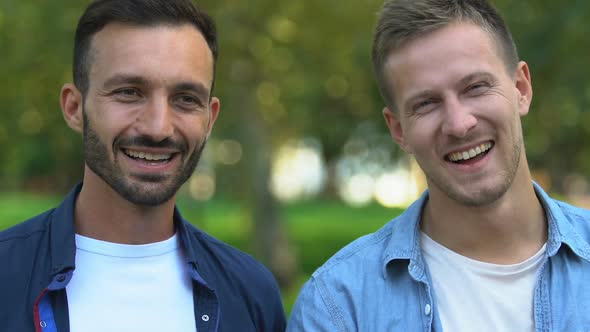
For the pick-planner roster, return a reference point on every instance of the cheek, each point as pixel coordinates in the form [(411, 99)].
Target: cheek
[(423, 133), (195, 132), (107, 130)]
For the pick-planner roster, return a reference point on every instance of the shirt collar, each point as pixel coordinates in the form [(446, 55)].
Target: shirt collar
[(404, 243), (192, 240), (561, 230), (63, 243), (62, 233)]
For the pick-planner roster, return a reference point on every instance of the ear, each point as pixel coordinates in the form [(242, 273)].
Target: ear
[(395, 128), (524, 88), (214, 106), (71, 107)]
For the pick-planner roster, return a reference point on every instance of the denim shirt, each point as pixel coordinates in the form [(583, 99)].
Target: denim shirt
[(380, 281)]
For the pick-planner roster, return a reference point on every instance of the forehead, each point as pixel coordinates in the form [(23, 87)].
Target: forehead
[(441, 57), (160, 52)]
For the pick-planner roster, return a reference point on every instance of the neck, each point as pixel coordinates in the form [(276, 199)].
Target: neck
[(101, 213), (507, 231)]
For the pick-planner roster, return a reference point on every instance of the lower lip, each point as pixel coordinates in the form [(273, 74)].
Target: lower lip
[(147, 167)]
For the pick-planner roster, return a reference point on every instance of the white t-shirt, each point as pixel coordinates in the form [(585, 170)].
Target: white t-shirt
[(476, 296), (120, 287)]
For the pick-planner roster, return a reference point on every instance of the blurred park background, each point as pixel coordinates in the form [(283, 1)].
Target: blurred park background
[(300, 162)]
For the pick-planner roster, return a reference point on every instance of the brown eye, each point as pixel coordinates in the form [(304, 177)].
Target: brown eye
[(127, 94), (188, 102)]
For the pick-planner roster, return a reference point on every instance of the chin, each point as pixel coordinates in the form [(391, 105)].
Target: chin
[(478, 197)]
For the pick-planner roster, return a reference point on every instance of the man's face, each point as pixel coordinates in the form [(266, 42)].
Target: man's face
[(458, 112), (147, 113)]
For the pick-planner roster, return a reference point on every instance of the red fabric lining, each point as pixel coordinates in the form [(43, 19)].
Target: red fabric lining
[(37, 319)]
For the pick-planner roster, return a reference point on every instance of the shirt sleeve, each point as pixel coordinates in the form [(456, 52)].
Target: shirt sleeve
[(314, 312)]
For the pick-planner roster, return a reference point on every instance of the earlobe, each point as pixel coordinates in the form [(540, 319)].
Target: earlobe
[(524, 88), (71, 106), (395, 128)]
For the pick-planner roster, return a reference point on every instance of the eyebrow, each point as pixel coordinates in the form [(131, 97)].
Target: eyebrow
[(198, 88), (125, 79)]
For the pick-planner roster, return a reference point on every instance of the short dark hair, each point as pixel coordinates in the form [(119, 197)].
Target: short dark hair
[(401, 21), (136, 12)]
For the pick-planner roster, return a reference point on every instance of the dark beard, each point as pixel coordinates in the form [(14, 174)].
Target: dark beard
[(97, 158)]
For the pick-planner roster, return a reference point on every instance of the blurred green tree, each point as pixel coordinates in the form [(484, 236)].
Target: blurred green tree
[(287, 69)]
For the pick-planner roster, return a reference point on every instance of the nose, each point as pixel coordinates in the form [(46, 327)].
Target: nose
[(154, 120), (459, 119)]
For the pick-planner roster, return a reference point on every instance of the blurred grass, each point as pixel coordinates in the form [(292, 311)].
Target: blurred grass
[(316, 229), (17, 207)]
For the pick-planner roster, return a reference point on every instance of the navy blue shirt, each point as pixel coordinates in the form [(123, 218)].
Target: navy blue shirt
[(232, 291)]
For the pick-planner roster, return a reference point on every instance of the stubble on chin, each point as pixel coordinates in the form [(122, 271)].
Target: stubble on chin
[(142, 189), (472, 194)]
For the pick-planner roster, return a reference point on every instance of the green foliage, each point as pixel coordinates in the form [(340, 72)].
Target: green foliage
[(552, 38), (289, 69)]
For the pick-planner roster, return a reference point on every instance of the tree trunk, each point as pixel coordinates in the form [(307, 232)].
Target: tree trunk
[(269, 237)]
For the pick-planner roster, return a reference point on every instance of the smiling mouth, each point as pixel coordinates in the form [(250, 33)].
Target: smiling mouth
[(472, 154), (151, 158)]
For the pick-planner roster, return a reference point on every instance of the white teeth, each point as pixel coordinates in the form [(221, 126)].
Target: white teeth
[(473, 152), (148, 156)]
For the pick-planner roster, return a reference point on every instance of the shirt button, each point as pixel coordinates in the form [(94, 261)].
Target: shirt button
[(42, 324), (427, 309), (205, 318)]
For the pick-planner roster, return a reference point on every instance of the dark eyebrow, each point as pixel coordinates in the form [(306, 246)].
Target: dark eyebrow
[(125, 79)]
